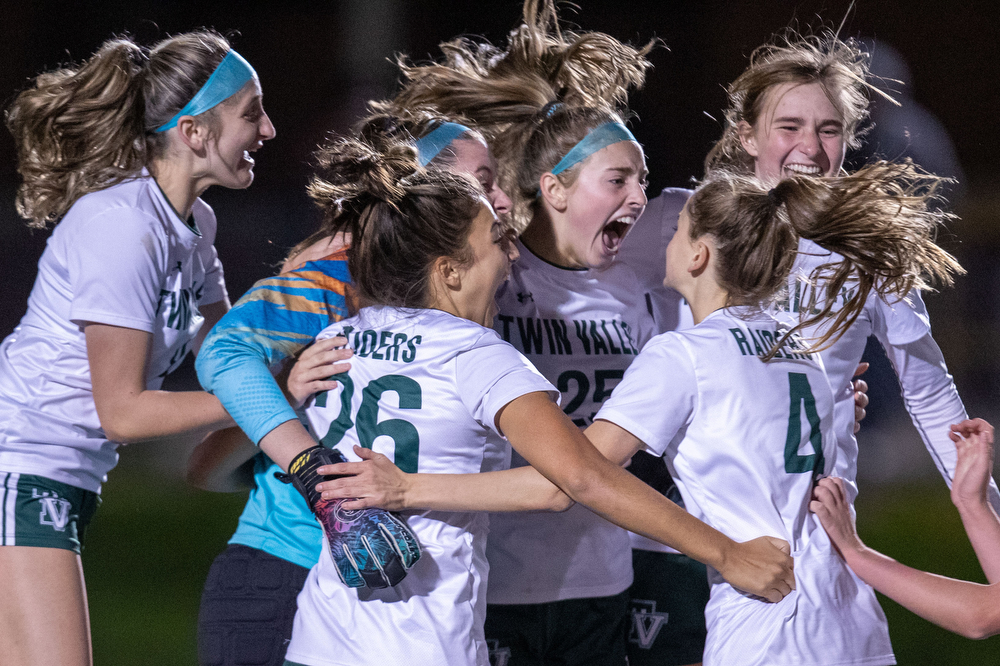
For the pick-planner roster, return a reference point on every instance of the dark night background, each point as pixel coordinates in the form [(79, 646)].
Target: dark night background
[(150, 546)]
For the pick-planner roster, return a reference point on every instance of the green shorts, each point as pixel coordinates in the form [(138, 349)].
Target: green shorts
[(40, 512), (667, 616), (572, 632)]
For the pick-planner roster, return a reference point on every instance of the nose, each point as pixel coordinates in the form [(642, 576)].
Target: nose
[(500, 201), (266, 128), (637, 196), (810, 144)]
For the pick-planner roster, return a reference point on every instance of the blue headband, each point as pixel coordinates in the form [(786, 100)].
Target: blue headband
[(597, 138), (437, 140), (227, 79)]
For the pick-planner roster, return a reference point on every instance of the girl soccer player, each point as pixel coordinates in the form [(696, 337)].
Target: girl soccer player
[(969, 609), (740, 408), (279, 316), (433, 386), (115, 152), (577, 176)]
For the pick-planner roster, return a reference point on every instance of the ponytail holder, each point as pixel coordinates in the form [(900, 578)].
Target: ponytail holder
[(437, 140), (773, 196), (550, 108), (227, 80)]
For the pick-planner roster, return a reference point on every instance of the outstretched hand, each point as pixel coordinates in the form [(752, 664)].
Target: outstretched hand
[(831, 506), (860, 387), (974, 444), (312, 370), (373, 482), (762, 567)]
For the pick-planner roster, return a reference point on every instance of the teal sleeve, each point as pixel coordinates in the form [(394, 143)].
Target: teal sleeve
[(272, 322)]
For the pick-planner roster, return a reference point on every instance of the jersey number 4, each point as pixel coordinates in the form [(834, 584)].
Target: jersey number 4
[(403, 433), (802, 400)]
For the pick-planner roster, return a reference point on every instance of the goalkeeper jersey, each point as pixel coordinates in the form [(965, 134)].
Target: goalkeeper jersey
[(271, 323), (744, 441), (424, 389)]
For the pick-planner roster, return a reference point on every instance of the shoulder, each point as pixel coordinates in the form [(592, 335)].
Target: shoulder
[(204, 217)]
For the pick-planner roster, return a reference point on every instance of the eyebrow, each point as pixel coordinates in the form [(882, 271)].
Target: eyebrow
[(629, 171), (800, 121)]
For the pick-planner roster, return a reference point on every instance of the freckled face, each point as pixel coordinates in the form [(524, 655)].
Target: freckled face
[(799, 132)]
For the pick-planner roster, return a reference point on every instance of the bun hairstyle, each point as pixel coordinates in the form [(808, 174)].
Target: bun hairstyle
[(401, 217), (841, 66), (877, 219), (535, 98), (84, 128), (384, 126)]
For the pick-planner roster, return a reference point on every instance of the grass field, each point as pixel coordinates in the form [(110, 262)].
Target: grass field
[(152, 542)]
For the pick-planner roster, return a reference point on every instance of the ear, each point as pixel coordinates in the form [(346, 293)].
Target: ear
[(700, 257), (447, 272), (192, 133), (553, 191), (748, 139)]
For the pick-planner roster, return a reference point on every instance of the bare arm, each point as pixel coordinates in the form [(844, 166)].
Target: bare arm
[(127, 411), (969, 492), (969, 609), (217, 462)]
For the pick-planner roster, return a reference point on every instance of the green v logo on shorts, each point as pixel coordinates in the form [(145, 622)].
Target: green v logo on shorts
[(55, 512), (646, 623)]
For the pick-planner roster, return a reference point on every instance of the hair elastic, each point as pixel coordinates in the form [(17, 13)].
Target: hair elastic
[(599, 137), (773, 195), (549, 109), (437, 140), (227, 79)]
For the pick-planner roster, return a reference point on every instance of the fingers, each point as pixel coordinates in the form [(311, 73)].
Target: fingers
[(780, 544), (973, 427), (861, 369)]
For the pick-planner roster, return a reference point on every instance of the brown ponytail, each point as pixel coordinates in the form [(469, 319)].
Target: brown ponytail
[(401, 217), (83, 129), (877, 219)]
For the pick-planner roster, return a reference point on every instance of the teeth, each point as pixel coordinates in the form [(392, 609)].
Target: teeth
[(803, 169), (628, 219)]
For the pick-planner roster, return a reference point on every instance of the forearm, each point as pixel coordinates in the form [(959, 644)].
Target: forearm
[(285, 442), (154, 414), (216, 463), (520, 489), (983, 527), (969, 609)]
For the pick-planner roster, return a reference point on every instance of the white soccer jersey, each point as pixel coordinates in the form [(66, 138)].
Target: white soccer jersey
[(123, 257), (424, 389), (744, 441), (903, 328), (581, 329)]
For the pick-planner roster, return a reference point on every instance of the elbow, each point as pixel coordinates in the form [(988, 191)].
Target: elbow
[(981, 625), (557, 501)]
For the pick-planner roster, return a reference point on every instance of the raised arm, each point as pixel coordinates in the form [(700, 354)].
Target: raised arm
[(974, 443)]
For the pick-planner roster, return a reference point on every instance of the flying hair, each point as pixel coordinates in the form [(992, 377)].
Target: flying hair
[(84, 128), (878, 220), (504, 90), (840, 66)]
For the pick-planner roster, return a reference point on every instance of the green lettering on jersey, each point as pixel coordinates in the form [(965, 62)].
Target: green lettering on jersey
[(406, 439), (741, 342), (801, 399)]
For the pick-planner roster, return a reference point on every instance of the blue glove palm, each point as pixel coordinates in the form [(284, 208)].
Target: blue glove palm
[(370, 547)]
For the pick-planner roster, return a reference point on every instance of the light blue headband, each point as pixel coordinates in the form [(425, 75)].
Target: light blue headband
[(597, 138), (227, 79), (437, 140)]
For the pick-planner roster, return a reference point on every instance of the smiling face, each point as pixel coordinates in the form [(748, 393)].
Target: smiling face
[(799, 132), (242, 127), (602, 204), (680, 249), (492, 251), (473, 157)]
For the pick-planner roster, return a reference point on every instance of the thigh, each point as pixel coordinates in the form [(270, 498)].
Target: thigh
[(248, 608), (667, 616), (43, 608)]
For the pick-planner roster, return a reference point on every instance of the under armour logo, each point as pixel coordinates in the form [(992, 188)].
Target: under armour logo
[(521, 298), (498, 656), (179, 266), (646, 623), (55, 512)]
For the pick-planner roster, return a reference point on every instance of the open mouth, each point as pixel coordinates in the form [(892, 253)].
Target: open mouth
[(247, 158), (614, 232), (803, 169)]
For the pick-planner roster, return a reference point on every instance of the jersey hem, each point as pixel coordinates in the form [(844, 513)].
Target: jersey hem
[(563, 595)]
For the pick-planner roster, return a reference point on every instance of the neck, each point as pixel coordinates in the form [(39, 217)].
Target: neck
[(705, 297), (177, 184), (540, 238)]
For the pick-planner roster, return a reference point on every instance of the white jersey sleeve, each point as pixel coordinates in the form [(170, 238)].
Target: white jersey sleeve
[(928, 389), (492, 375), (215, 281), (129, 295), (638, 406)]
